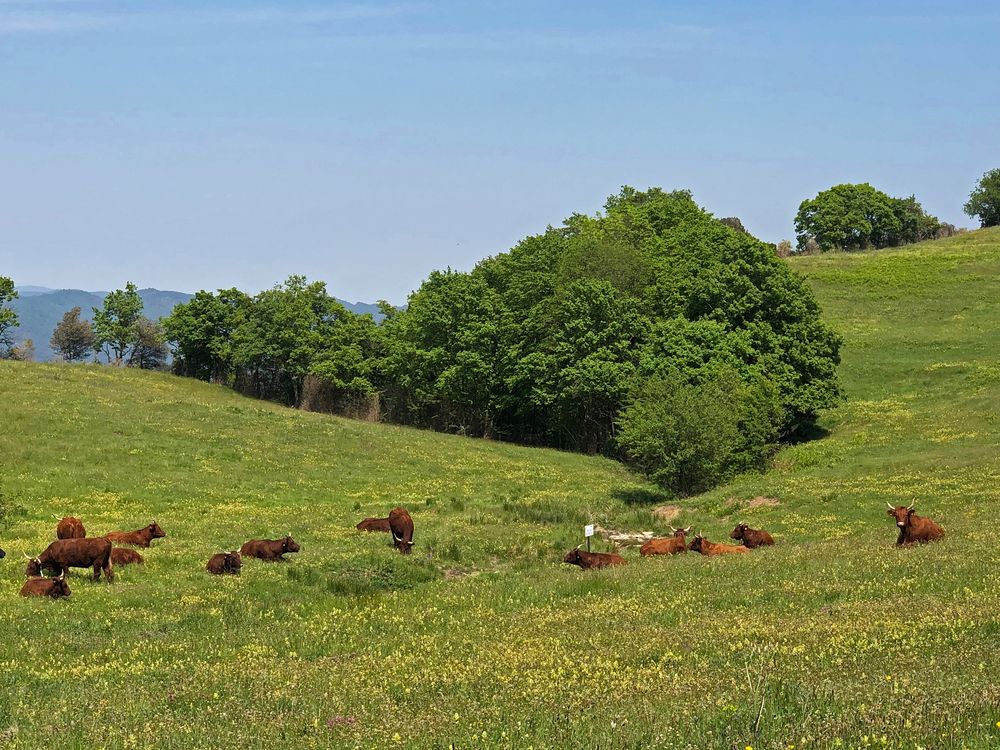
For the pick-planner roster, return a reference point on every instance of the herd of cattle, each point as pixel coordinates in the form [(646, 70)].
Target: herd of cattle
[(913, 529), (74, 549)]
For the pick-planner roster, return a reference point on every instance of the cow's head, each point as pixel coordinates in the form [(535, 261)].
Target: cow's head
[(696, 543), (34, 567), (233, 562), (680, 533), (573, 557), (155, 532), (739, 532), (404, 546), (901, 513), (289, 545), (59, 587)]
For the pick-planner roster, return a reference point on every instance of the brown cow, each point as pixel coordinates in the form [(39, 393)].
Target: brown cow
[(70, 527), (374, 524), (671, 545), (705, 547), (225, 563), (591, 560), (913, 529), (401, 526), (271, 550), (751, 537), (120, 556), (41, 586), (64, 554), (141, 538)]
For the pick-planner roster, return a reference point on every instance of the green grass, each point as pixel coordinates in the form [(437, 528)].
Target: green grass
[(481, 638)]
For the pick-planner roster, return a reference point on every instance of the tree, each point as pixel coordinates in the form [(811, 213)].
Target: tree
[(847, 217), (984, 201), (149, 348), (115, 323), (72, 337), (23, 352), (8, 318), (784, 249), (201, 331)]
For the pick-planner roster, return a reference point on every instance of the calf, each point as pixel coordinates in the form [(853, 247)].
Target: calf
[(141, 538), (41, 586), (705, 547), (591, 560), (751, 537), (70, 527), (120, 556), (374, 524), (64, 554), (671, 545), (401, 526), (913, 529), (225, 563), (271, 550)]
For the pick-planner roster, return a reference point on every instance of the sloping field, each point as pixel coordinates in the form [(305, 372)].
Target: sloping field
[(832, 638)]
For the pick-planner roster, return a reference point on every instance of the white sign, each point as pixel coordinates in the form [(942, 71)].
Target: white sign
[(588, 530)]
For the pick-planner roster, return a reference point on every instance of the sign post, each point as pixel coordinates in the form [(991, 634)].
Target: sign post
[(588, 531)]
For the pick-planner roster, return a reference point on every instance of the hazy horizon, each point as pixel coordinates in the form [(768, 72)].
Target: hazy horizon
[(367, 144)]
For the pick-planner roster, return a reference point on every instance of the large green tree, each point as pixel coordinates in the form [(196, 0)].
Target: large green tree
[(984, 201), (201, 331), (8, 318), (115, 323)]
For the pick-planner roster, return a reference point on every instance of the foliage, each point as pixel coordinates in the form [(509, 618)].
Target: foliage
[(859, 217), (23, 352), (115, 323), (201, 331), (149, 350), (984, 201), (73, 338), (8, 318)]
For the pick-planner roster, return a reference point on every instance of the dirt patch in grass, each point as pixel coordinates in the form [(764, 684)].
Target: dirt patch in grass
[(763, 502), (667, 513)]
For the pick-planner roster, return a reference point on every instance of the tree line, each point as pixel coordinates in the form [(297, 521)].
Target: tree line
[(651, 332)]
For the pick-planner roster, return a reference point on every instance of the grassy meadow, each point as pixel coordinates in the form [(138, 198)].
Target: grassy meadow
[(482, 638)]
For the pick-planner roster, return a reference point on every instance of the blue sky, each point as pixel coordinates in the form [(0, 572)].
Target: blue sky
[(190, 145)]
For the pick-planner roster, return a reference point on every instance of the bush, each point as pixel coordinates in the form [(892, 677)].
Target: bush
[(688, 437)]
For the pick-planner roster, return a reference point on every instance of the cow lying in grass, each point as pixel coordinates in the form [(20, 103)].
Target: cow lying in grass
[(70, 527), (401, 526), (751, 538), (374, 524), (41, 586), (712, 549), (141, 538), (672, 545), (272, 550), (225, 563), (913, 529), (120, 556), (64, 554), (591, 560)]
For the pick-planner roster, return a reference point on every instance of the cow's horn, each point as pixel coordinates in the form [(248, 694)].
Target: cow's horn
[(890, 505), (397, 538), (688, 529), (61, 576), (671, 527), (27, 556), (910, 506)]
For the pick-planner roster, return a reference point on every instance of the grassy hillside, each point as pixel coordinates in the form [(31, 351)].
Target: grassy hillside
[(481, 638)]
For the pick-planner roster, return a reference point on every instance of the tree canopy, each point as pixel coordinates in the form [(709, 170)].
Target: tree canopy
[(8, 318), (859, 217), (984, 201), (115, 323), (73, 338)]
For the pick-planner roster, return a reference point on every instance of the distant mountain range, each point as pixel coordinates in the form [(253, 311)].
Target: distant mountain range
[(39, 310)]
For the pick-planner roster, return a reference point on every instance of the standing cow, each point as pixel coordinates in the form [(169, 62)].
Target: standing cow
[(70, 527), (41, 586), (401, 526), (913, 529), (671, 545), (63, 554), (272, 550), (225, 563), (140, 538), (751, 538)]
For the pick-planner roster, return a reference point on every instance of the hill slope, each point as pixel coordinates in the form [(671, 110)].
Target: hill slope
[(481, 638)]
